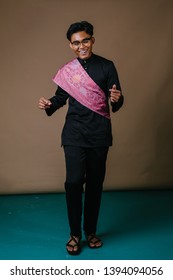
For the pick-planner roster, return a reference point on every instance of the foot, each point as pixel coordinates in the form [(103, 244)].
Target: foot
[(73, 245), (94, 241)]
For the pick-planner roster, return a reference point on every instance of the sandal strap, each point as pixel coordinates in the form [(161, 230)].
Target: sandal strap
[(76, 249), (76, 243), (91, 237)]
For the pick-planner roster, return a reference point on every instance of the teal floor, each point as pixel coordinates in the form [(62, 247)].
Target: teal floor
[(134, 225)]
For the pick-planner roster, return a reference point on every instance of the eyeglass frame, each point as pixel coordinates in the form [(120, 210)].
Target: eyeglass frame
[(82, 42)]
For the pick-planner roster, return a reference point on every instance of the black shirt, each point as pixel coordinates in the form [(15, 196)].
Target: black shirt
[(83, 127)]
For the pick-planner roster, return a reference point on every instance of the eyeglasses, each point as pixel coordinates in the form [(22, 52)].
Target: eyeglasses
[(83, 42)]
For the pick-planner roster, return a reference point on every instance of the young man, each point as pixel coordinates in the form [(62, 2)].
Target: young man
[(88, 82)]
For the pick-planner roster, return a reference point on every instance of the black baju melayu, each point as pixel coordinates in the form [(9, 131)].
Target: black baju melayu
[(86, 138)]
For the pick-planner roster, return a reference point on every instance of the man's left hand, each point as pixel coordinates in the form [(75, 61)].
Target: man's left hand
[(114, 94)]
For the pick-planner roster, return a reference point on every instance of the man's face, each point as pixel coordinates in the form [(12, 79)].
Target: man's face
[(82, 44)]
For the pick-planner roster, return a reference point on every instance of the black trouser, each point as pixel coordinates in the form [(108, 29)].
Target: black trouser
[(84, 165)]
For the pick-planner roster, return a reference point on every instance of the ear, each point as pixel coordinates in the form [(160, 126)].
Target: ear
[(93, 40), (71, 46)]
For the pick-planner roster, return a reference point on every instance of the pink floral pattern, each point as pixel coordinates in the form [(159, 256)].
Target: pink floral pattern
[(74, 79)]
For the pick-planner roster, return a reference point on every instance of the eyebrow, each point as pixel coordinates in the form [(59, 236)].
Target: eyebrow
[(81, 40)]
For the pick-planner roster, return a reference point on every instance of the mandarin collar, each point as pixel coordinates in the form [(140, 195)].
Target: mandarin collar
[(82, 61)]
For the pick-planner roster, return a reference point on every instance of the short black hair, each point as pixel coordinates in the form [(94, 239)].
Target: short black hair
[(80, 26)]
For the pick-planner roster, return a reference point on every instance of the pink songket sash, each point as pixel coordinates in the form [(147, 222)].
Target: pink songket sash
[(75, 80)]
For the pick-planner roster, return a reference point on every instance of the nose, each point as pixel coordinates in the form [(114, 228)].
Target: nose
[(81, 45)]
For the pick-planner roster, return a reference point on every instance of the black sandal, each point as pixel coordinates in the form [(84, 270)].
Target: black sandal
[(93, 240), (76, 243)]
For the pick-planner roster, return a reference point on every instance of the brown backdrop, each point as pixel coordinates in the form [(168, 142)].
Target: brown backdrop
[(137, 36)]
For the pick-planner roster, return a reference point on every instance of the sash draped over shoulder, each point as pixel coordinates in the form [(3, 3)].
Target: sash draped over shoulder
[(76, 82)]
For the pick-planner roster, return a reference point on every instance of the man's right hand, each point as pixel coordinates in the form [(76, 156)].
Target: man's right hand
[(44, 103)]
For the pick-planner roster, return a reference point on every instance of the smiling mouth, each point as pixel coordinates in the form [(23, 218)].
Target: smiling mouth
[(83, 52)]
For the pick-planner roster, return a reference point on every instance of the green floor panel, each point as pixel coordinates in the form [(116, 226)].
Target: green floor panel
[(133, 225)]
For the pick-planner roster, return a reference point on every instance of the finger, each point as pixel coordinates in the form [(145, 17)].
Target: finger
[(114, 90), (113, 87), (41, 106), (113, 100), (115, 94), (43, 101), (46, 101), (114, 97)]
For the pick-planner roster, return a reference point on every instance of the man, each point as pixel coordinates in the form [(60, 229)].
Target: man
[(88, 82)]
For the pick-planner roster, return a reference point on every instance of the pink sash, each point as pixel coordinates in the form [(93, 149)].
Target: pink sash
[(74, 79)]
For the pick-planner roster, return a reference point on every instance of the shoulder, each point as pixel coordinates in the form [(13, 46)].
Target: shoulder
[(103, 59), (106, 64)]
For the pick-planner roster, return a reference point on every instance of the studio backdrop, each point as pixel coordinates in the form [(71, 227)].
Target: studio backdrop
[(137, 36)]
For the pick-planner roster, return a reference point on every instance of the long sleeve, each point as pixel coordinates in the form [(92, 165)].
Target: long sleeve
[(58, 101), (117, 105), (114, 79)]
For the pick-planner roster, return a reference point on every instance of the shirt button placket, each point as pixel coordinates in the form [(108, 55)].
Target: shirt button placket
[(85, 66)]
